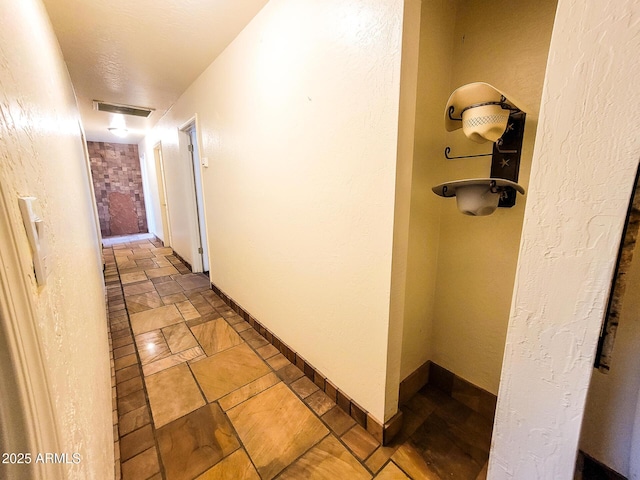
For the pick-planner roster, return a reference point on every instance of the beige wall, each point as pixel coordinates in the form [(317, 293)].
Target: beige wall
[(434, 83), (299, 120), (582, 174), (607, 429), (41, 155), (461, 277)]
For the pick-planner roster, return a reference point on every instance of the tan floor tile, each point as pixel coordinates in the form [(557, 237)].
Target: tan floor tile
[(241, 327), (251, 389), (136, 442), (304, 387), (236, 466), (278, 361), (160, 272), (142, 302), (129, 386), (328, 460), (290, 373), (148, 320), (187, 310), (160, 280), (267, 351), (143, 465), (174, 298), (379, 458), (235, 319), (179, 337), (192, 444), (172, 360), (127, 373), (134, 419), (132, 277), (140, 254), (123, 351), (216, 336), (152, 346), (319, 402), (162, 262), (228, 370), (168, 288), (184, 398), (125, 264), (392, 472), (338, 420), (161, 251), (275, 428), (410, 460), (125, 361), (131, 402), (191, 281), (360, 442), (138, 288), (145, 263)]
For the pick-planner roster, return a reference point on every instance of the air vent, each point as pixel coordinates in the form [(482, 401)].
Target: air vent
[(123, 109)]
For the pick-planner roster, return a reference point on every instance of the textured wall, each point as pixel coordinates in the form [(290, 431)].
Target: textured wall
[(477, 256), (117, 181), (582, 174), (299, 120), (42, 155), (609, 414)]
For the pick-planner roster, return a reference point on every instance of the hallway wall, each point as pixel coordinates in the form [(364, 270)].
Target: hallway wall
[(299, 120), (610, 411), (42, 155), (117, 182)]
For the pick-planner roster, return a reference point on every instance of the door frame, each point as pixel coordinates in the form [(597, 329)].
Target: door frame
[(31, 424), (158, 159), (200, 240)]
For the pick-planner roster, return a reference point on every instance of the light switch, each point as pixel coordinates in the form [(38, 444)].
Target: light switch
[(204, 161), (35, 232)]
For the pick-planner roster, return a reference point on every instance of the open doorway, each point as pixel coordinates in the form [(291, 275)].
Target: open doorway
[(201, 256), (162, 194)]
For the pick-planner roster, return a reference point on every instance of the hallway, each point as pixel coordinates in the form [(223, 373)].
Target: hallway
[(200, 394)]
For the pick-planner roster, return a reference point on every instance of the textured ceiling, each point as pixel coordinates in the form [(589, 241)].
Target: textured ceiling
[(141, 52)]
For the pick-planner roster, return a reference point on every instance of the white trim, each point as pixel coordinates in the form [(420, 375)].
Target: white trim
[(26, 409), (197, 265)]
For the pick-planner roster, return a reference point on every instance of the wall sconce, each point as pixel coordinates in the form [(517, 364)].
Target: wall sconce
[(486, 114)]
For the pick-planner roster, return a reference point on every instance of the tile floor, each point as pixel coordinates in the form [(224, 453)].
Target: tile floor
[(201, 395)]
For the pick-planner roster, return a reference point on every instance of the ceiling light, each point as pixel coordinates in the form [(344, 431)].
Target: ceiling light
[(119, 131)]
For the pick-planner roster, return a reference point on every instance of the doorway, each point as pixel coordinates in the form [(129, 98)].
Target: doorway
[(201, 255), (162, 194)]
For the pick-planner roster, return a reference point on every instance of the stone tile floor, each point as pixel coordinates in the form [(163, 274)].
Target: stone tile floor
[(201, 395)]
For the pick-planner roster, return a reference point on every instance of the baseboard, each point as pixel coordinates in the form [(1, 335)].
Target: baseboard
[(588, 468), (382, 433), (476, 398)]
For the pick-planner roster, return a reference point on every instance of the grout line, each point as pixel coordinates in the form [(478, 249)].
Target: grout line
[(142, 376)]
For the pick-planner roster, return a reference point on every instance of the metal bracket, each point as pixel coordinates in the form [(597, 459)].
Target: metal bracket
[(497, 146), (505, 162)]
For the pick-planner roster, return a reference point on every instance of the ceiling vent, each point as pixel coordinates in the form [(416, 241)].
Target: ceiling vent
[(122, 109)]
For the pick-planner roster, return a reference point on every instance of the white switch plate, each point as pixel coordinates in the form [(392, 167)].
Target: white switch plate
[(35, 232), (204, 161)]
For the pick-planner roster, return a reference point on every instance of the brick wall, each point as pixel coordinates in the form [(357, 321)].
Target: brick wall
[(117, 181)]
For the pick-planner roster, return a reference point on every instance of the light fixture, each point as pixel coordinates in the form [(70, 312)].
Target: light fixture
[(119, 131), (486, 114)]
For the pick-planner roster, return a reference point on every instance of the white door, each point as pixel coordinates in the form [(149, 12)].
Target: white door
[(162, 194), (197, 180)]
